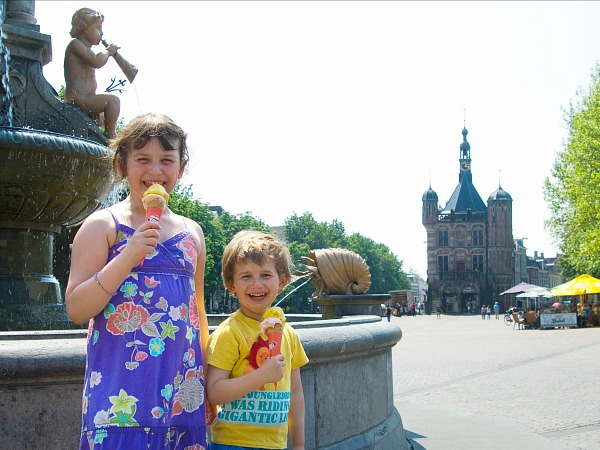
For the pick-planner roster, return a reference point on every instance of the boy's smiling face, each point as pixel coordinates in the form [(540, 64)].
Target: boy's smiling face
[(256, 287)]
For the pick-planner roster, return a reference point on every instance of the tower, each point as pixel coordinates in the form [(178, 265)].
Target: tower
[(469, 245), (501, 251)]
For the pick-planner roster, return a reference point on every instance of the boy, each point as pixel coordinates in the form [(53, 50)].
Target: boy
[(80, 70), (257, 394)]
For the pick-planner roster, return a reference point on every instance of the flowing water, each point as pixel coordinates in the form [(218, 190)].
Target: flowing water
[(7, 99)]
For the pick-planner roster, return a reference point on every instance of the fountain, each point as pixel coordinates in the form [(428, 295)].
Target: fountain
[(56, 170)]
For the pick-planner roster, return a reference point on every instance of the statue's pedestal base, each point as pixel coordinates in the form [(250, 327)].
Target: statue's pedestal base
[(337, 306)]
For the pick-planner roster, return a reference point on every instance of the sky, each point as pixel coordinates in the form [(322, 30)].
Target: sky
[(351, 110)]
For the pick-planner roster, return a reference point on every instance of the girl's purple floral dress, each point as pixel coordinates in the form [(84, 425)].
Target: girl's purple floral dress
[(144, 383)]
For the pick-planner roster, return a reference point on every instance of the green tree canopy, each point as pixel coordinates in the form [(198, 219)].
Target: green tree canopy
[(386, 269), (302, 233), (573, 190), (181, 202)]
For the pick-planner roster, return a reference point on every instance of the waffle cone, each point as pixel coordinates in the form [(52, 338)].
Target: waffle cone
[(156, 201)]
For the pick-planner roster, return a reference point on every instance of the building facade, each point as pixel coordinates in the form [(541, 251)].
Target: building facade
[(470, 246)]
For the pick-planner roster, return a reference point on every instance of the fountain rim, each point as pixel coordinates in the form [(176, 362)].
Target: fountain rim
[(49, 142)]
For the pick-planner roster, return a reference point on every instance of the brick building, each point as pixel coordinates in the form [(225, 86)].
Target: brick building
[(470, 246)]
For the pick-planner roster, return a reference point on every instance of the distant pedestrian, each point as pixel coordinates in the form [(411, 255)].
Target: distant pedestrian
[(483, 311), (388, 313), (488, 311), (438, 311), (497, 310)]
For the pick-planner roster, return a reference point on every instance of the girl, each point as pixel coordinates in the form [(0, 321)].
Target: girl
[(144, 379)]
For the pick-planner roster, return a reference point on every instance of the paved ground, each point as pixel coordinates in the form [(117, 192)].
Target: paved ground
[(464, 383)]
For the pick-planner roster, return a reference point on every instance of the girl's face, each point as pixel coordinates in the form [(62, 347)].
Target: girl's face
[(256, 287), (153, 164)]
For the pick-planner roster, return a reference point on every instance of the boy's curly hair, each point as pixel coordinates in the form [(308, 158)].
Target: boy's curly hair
[(257, 247), (82, 18), (139, 131)]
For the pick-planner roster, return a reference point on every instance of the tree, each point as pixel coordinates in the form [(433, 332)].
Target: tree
[(232, 223), (181, 202), (386, 270), (304, 233), (306, 230), (573, 190)]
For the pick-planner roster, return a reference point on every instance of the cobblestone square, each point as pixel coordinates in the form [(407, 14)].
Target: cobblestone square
[(481, 378)]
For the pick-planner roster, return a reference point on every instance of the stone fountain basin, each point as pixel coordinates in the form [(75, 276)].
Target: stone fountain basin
[(49, 182), (49, 179)]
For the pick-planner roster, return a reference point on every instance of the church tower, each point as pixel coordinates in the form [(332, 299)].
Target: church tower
[(469, 245), (501, 253)]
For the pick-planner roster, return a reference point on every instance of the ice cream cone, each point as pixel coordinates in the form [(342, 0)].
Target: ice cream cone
[(272, 327), (155, 201), (155, 206), (274, 338)]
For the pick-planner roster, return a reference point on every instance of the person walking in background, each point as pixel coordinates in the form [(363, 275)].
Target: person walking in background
[(497, 311), (483, 311), (388, 313), (488, 311), (438, 312), (147, 324)]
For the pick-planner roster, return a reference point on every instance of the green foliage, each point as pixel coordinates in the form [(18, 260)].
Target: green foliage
[(305, 229), (302, 233), (573, 190), (181, 202), (231, 224), (386, 269)]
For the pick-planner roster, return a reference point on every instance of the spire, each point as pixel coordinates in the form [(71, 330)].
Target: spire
[(465, 147), (465, 196)]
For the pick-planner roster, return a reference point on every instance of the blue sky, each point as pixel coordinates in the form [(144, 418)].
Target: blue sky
[(349, 110)]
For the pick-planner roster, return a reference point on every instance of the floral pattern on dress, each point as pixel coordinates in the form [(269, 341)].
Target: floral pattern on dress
[(186, 391), (188, 248), (152, 318), (138, 320)]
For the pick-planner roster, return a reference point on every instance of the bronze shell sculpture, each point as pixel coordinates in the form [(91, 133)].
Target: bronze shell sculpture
[(337, 271)]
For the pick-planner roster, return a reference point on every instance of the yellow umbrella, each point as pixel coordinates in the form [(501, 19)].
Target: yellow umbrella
[(583, 284)]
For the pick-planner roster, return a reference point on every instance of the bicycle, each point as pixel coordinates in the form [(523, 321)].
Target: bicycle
[(508, 318)]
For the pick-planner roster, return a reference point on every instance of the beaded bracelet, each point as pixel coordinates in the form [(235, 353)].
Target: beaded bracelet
[(99, 284)]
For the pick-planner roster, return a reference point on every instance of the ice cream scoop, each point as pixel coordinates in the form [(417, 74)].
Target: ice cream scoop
[(155, 201), (272, 327)]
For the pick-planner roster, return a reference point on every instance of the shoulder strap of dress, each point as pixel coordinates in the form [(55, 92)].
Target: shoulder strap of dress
[(116, 222)]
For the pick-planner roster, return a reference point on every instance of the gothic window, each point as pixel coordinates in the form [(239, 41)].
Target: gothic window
[(477, 263), (477, 238), (442, 238), (443, 263)]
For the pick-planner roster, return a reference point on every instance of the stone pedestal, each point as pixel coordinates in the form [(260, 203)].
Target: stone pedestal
[(336, 306)]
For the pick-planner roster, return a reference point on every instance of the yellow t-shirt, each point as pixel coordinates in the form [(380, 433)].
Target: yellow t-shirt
[(260, 418)]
